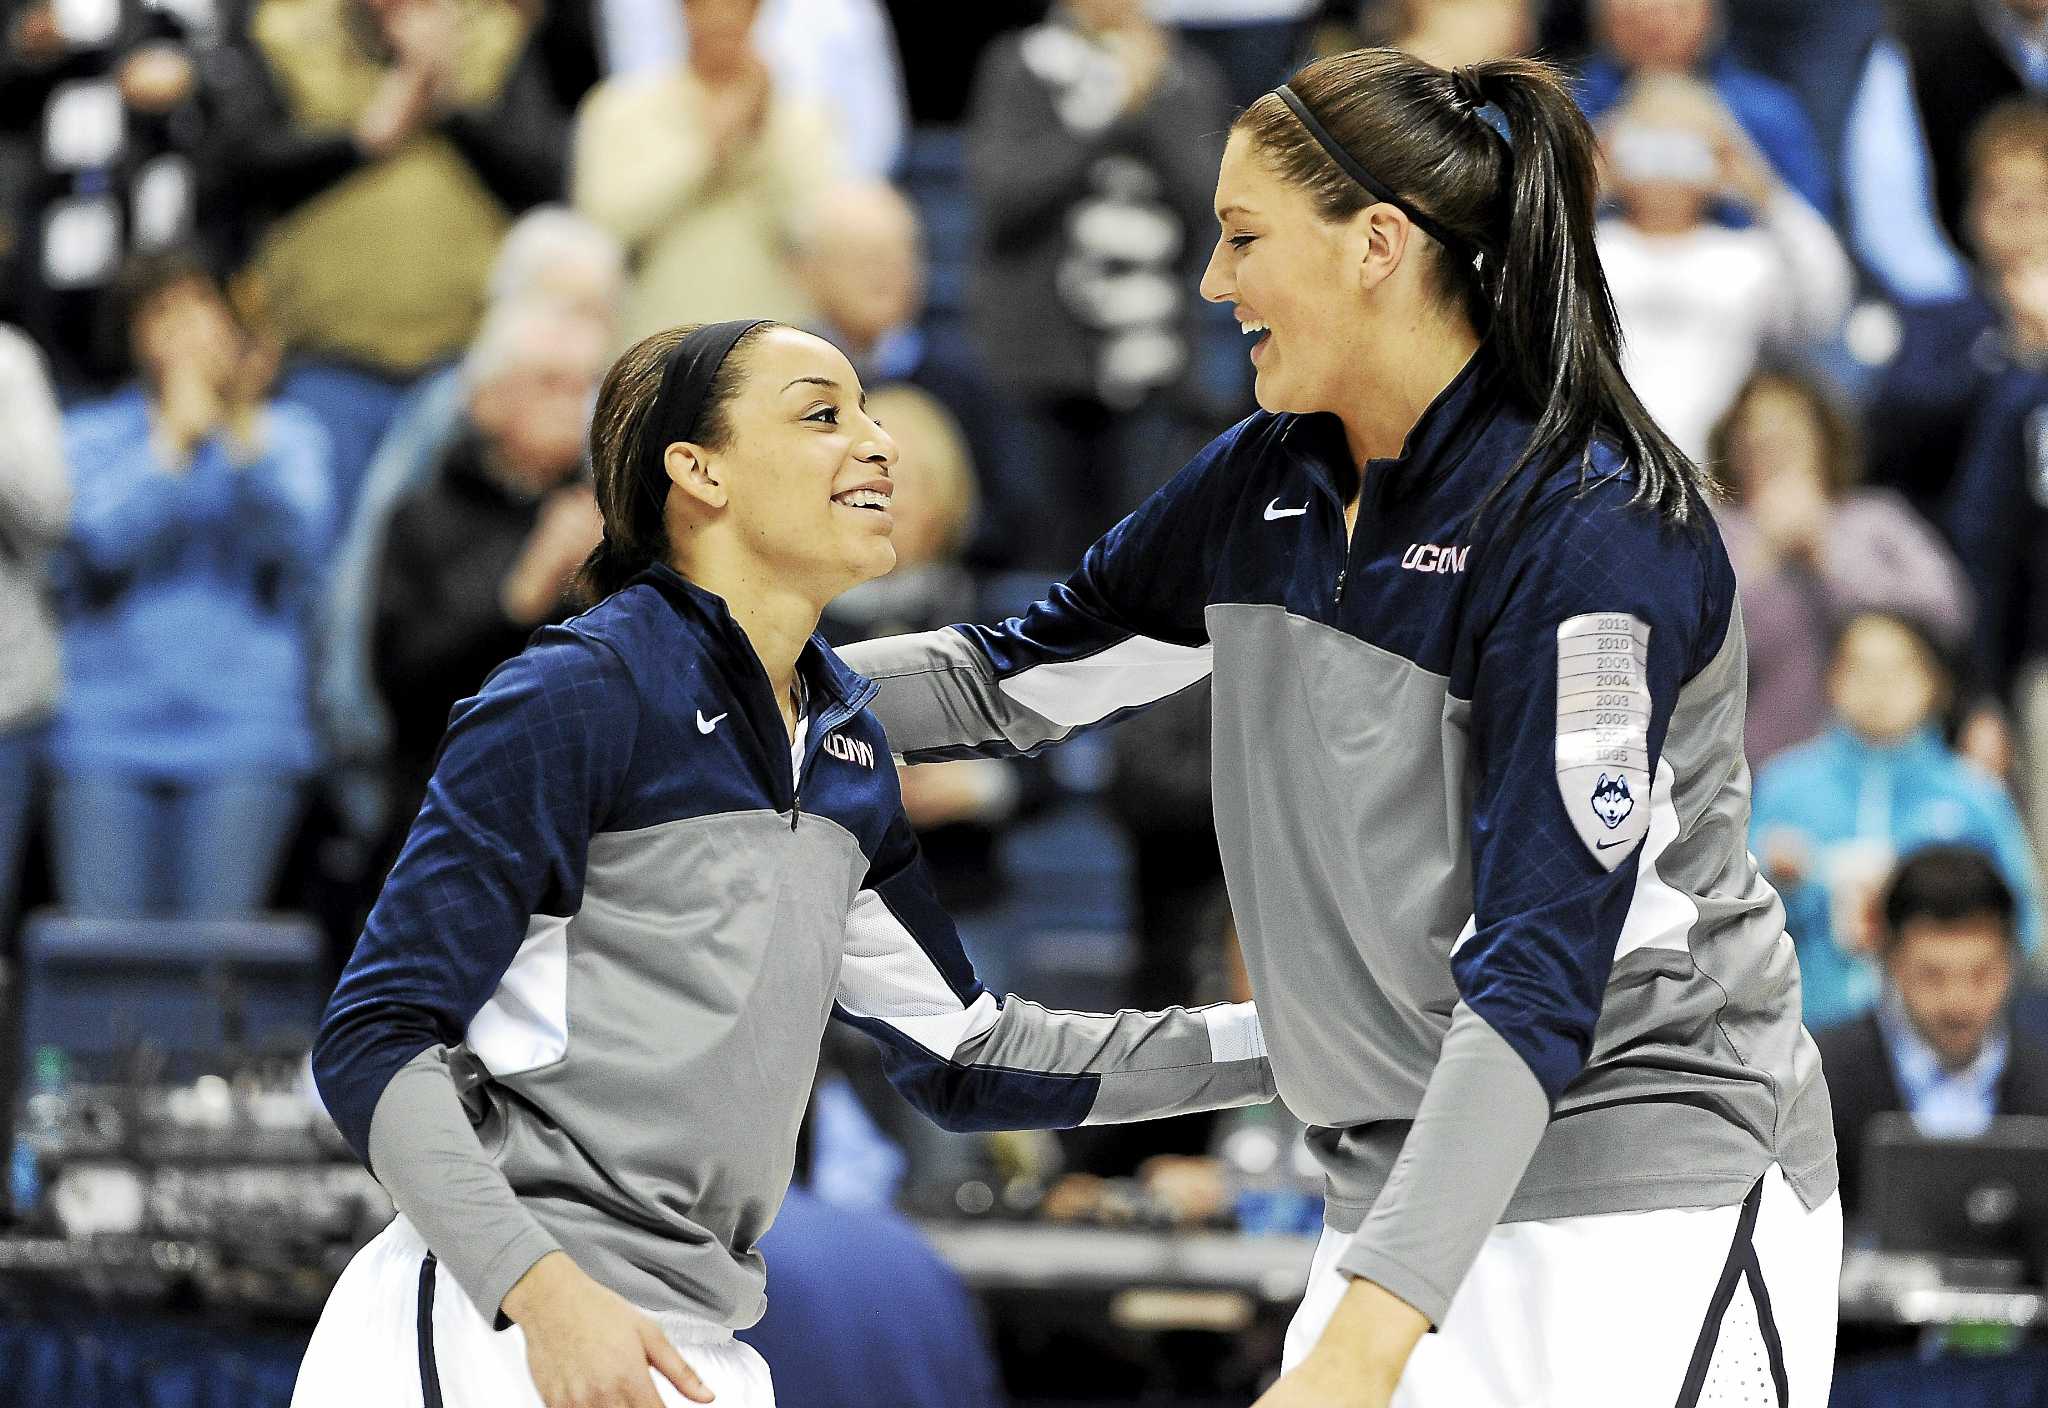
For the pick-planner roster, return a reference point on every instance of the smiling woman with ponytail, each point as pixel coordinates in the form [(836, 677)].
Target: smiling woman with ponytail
[(1478, 678)]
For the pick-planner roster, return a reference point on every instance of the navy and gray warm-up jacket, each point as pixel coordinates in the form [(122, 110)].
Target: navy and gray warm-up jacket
[(585, 1012), (1473, 771)]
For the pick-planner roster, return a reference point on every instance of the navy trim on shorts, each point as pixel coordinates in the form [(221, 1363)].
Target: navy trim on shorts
[(1742, 1265), (430, 1373)]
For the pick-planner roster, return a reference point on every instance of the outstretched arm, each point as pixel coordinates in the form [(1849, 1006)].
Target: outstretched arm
[(973, 1061), (1122, 633)]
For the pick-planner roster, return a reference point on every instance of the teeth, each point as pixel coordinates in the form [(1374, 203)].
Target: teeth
[(863, 498), (1249, 329)]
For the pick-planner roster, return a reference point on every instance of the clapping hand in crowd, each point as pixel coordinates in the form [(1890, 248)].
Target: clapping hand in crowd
[(422, 35), (1791, 512), (735, 81), (567, 528), (1746, 176), (211, 377)]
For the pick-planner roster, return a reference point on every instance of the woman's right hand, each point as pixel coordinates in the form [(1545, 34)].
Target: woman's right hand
[(586, 1347)]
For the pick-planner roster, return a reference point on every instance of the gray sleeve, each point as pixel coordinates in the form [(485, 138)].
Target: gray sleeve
[(1149, 1064), (940, 698), (1478, 1126), (972, 1061), (425, 1153)]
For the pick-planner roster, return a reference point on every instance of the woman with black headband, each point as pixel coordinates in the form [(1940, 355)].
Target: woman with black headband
[(660, 848), (1478, 681)]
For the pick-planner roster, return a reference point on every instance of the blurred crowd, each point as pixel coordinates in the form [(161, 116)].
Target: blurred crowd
[(307, 301)]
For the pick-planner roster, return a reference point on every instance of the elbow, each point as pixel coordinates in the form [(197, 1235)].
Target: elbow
[(945, 1099), (980, 1100)]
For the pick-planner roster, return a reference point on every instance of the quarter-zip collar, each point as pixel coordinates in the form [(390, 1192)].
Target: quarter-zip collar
[(836, 691)]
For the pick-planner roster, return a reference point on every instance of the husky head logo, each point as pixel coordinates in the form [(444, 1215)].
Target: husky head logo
[(1612, 801)]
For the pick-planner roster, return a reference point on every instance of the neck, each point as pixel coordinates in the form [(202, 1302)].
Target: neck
[(1410, 368), (776, 618)]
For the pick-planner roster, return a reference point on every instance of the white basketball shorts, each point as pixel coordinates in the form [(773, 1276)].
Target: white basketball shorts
[(398, 1332), (1674, 1308)]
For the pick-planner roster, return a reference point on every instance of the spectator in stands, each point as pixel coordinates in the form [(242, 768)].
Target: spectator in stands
[(1997, 516), (1831, 816), (1907, 158), (35, 507), (837, 56), (103, 105), (1698, 301), (704, 172), (1682, 38), (201, 514), (484, 552), (383, 147), (1811, 547), (864, 263), (550, 256), (1938, 1045), (1092, 152), (1952, 349)]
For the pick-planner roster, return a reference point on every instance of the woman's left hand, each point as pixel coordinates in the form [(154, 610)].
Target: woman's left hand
[(1359, 1358)]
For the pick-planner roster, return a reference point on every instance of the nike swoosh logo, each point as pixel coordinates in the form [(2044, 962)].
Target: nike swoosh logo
[(1273, 511), (1597, 845), (705, 725)]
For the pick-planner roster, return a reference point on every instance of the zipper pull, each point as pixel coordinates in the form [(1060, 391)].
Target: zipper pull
[(1340, 585), (796, 809)]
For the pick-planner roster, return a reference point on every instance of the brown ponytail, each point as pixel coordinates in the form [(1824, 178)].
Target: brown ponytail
[(1521, 207)]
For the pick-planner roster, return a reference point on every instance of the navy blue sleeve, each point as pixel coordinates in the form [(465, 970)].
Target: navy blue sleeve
[(528, 770), (1592, 619)]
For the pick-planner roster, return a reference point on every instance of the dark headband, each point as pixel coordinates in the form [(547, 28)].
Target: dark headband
[(686, 381), (1355, 169)]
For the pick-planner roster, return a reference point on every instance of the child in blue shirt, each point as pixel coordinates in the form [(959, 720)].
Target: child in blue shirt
[(1832, 815)]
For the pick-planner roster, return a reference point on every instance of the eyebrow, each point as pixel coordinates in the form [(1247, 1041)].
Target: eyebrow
[(829, 384), (1223, 215)]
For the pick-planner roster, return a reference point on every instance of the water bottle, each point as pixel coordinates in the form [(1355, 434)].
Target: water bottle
[(45, 1114)]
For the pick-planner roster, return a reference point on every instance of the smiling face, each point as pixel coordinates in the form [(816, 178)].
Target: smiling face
[(800, 491), (1292, 274)]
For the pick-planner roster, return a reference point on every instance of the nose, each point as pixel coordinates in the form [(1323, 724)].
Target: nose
[(1216, 285), (877, 447)]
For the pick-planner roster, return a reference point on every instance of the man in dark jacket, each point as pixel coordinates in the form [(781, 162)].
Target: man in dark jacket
[(1091, 152), (1939, 1047), (484, 553)]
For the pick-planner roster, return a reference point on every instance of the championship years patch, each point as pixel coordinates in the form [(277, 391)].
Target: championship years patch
[(1603, 731)]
